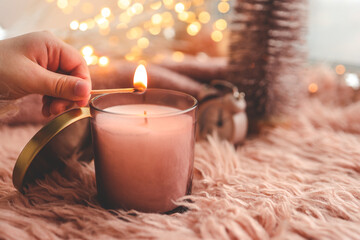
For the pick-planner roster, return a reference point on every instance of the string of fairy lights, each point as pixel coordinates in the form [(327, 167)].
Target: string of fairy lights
[(142, 24)]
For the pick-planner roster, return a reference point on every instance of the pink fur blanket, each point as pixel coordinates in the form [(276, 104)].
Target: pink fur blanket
[(299, 179)]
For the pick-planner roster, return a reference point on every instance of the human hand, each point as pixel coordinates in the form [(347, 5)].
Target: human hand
[(40, 63)]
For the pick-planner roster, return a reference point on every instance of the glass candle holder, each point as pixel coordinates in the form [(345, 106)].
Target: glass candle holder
[(144, 148)]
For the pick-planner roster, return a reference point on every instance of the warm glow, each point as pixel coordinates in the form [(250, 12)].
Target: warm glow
[(87, 59), (87, 50), (313, 88), (167, 18), (130, 11), (122, 26), (216, 36), (62, 4), (223, 7), (83, 26), (221, 24), (178, 56), (91, 60), (155, 30), (136, 51), (103, 23), (123, 4), (134, 33), (130, 57), (156, 5), (124, 18), (103, 61), (74, 2), (179, 7), (105, 12), (90, 23), (183, 16), (193, 28), (191, 18), (168, 2), (140, 78), (94, 60), (137, 8), (142, 61), (340, 69), (141, 20), (204, 17), (198, 2), (156, 19), (143, 42), (74, 25)]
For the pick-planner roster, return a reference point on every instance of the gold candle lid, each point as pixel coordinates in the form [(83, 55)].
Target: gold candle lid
[(65, 135)]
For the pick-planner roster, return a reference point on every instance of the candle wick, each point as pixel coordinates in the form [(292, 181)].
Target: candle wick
[(145, 119)]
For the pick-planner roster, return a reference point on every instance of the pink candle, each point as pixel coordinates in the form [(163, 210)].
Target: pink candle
[(143, 156)]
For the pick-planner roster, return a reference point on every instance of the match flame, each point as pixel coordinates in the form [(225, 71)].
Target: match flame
[(140, 78)]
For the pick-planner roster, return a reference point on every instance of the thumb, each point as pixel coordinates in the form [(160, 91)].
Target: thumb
[(63, 86)]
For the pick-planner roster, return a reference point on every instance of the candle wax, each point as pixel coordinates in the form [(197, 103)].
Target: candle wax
[(143, 162)]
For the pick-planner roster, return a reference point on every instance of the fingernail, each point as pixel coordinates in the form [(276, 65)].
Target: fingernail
[(82, 89)]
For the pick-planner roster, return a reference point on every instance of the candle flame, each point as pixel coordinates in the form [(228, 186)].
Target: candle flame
[(140, 78)]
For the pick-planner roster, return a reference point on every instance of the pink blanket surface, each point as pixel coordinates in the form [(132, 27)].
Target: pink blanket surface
[(299, 179)]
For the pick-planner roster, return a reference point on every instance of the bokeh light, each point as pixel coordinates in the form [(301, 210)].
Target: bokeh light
[(155, 30), (123, 4), (83, 26), (223, 7), (106, 12), (137, 8), (204, 17), (193, 28), (216, 36), (143, 42), (62, 4), (74, 25), (168, 3), (156, 5), (156, 19), (134, 33), (104, 61), (179, 7), (340, 69), (313, 88), (139, 21), (220, 24), (87, 50), (178, 56)]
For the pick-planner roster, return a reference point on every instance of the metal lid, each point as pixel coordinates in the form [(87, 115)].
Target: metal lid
[(65, 135)]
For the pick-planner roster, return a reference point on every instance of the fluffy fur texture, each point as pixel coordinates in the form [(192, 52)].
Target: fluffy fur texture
[(297, 180)]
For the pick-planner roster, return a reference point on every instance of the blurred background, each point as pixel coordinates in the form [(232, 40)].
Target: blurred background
[(111, 29), (334, 31)]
